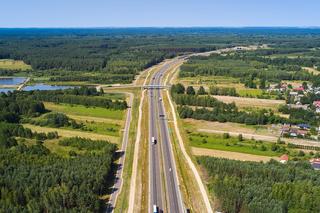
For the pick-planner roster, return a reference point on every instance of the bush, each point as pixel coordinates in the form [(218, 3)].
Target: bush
[(240, 137), (226, 135)]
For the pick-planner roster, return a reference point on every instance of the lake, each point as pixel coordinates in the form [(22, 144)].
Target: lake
[(5, 90), (45, 87), (12, 81)]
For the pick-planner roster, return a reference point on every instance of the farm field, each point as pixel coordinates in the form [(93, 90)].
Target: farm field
[(80, 110), (230, 155), (242, 102), (9, 64), (195, 125)]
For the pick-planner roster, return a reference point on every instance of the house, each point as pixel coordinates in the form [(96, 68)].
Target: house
[(288, 130), (293, 93), (298, 105), (302, 132), (316, 104), (315, 163), (284, 158), (299, 89), (304, 126)]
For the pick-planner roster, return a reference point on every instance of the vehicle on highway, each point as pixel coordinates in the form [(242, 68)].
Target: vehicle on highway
[(155, 209), (153, 140)]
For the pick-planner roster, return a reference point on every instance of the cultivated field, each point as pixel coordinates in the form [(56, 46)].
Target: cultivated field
[(242, 102)]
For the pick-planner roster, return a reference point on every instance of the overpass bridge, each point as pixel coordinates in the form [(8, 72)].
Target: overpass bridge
[(155, 87)]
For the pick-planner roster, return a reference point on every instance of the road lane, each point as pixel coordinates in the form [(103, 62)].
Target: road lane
[(173, 195), (155, 181)]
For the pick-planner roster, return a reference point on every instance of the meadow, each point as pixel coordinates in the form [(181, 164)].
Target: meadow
[(86, 111), (17, 65)]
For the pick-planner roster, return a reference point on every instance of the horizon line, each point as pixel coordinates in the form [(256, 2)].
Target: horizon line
[(159, 27)]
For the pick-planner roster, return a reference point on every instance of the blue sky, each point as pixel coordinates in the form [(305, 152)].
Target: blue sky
[(159, 13)]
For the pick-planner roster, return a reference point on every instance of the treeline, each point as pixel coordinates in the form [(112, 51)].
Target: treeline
[(84, 143), (213, 90), (9, 132), (218, 111), (222, 114), (35, 180), (258, 187), (76, 96), (239, 66), (102, 78), (300, 115), (12, 107), (229, 91), (56, 120)]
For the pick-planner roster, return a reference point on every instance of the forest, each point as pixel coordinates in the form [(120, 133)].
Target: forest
[(33, 178), (263, 187), (249, 67), (118, 55)]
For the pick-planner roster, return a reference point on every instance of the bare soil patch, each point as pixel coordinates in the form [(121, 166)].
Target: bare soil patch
[(231, 155), (251, 102)]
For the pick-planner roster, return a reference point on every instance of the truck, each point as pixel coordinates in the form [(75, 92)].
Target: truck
[(153, 140), (155, 209)]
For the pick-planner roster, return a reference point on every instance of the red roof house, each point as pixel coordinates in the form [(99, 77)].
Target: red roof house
[(315, 163), (299, 89), (316, 103), (284, 158)]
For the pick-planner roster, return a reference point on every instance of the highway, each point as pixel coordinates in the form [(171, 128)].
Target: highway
[(161, 154), (155, 183)]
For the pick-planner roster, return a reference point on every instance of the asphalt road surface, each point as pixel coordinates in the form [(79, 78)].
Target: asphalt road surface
[(154, 151), (162, 150)]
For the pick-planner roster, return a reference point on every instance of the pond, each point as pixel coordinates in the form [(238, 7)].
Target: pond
[(12, 80), (45, 87), (5, 90)]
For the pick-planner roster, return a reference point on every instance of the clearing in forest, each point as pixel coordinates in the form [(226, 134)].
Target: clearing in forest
[(9, 64)]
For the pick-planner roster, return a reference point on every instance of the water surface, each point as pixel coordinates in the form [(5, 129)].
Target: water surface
[(12, 80), (45, 87)]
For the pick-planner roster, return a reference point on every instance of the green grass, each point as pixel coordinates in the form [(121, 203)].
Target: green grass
[(9, 64), (86, 111), (213, 141), (103, 128), (114, 96)]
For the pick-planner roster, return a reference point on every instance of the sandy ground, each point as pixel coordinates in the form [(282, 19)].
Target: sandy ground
[(231, 155), (234, 127), (70, 133), (133, 180), (251, 102)]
